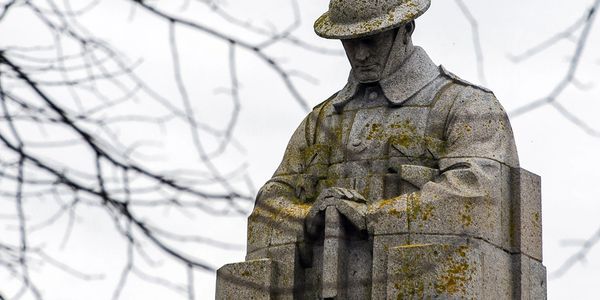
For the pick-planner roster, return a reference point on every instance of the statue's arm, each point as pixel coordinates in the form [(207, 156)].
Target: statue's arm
[(474, 173), (279, 210), (479, 142)]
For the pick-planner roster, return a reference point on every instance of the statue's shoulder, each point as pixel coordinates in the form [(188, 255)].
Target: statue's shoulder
[(310, 124), (325, 103), (454, 78)]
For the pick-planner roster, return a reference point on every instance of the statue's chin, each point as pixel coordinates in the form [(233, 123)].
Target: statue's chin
[(368, 78)]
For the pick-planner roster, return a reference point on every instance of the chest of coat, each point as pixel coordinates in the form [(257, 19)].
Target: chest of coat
[(380, 133)]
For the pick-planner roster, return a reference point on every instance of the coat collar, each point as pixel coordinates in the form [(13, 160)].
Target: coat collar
[(413, 75)]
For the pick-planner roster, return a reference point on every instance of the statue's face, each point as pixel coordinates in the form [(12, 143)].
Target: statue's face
[(368, 55)]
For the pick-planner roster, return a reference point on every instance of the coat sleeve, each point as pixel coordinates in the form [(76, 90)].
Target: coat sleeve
[(471, 195), (281, 206), (479, 141)]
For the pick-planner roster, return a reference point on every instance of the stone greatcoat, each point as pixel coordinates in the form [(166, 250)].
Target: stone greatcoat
[(432, 154)]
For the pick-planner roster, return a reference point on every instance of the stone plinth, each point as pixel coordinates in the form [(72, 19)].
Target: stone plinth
[(416, 264)]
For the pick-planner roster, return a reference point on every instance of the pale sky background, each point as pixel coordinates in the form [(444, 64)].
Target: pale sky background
[(548, 144)]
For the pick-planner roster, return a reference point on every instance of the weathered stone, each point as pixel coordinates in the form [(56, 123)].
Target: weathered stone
[(289, 274), (354, 19), (493, 264), (426, 271), (527, 213), (475, 212), (403, 185), (332, 252), (388, 216), (530, 278), (247, 280)]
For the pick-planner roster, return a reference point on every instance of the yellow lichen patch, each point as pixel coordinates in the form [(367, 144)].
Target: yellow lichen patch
[(502, 126), (410, 4), (376, 132), (323, 23), (296, 210), (405, 135), (409, 286), (410, 290), (414, 246), (536, 218), (456, 274), (328, 182), (404, 126), (395, 212), (467, 220), (466, 215), (372, 25), (339, 133), (427, 211), (404, 140), (436, 146), (414, 206), (391, 16), (388, 202), (468, 128), (418, 211), (462, 251)]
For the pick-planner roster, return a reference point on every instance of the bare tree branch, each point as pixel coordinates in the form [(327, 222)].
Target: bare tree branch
[(72, 90), (476, 39), (244, 45), (570, 77), (578, 257)]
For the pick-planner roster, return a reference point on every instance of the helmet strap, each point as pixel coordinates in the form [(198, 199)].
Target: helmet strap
[(396, 44)]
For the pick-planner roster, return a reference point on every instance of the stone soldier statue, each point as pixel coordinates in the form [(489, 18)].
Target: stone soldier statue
[(403, 185)]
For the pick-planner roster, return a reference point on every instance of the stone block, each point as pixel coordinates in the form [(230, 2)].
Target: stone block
[(381, 246), (506, 211), (469, 210), (527, 214), (495, 264), (247, 280), (530, 281), (427, 271), (288, 225), (388, 216), (497, 275), (289, 278)]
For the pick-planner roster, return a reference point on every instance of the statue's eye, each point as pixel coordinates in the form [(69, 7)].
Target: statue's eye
[(369, 41)]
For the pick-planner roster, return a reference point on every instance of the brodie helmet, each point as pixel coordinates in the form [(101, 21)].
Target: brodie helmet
[(349, 19)]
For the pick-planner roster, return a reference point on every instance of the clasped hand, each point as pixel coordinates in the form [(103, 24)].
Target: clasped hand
[(349, 203)]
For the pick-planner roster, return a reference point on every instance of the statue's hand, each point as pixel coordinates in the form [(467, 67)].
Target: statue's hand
[(343, 194), (349, 203)]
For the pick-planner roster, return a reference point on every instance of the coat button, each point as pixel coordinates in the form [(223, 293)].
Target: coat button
[(373, 95)]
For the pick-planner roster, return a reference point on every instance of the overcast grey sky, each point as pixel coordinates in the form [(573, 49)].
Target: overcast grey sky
[(548, 144)]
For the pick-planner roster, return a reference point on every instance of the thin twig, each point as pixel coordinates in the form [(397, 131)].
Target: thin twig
[(568, 79), (476, 40)]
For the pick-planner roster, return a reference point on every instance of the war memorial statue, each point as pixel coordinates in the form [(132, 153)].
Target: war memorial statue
[(403, 185)]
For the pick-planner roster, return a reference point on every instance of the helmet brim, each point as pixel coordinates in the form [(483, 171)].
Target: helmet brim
[(404, 13)]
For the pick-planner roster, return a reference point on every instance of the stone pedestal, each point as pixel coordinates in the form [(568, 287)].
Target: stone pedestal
[(500, 258)]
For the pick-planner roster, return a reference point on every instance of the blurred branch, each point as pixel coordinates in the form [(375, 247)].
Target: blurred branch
[(273, 38), (190, 280), (587, 22), (240, 43), (567, 34), (6, 7), (78, 93), (93, 143), (476, 39), (578, 257)]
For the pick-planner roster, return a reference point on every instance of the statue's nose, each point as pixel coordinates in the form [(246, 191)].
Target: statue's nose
[(362, 52)]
